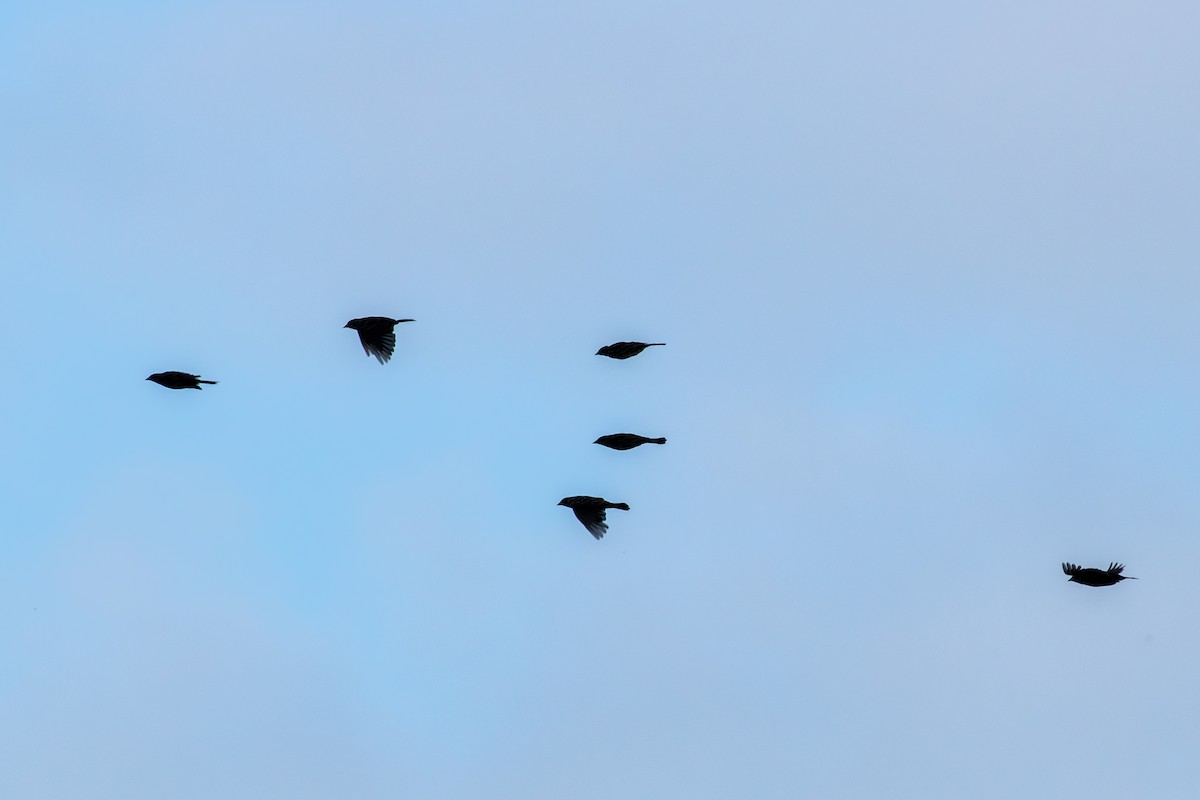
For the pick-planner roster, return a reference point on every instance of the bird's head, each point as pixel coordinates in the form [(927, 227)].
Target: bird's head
[(563, 502), (603, 351), (351, 324)]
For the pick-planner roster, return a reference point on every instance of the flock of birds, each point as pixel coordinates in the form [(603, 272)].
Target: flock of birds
[(378, 338), (593, 511)]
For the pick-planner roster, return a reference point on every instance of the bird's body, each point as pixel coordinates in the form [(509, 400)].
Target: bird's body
[(1090, 576), (591, 512), (377, 335), (178, 380), (627, 441), (623, 350)]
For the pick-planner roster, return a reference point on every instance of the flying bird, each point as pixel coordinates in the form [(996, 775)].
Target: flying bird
[(627, 441), (625, 350), (377, 334), (1090, 576), (178, 380), (590, 511)]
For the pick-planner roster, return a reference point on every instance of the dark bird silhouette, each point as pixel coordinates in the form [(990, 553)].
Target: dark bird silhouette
[(627, 441), (590, 511), (178, 380), (1097, 577), (625, 350), (378, 335)]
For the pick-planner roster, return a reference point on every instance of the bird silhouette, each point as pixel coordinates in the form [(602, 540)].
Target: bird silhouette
[(178, 380), (590, 511), (1089, 576), (627, 441), (377, 335), (623, 350)]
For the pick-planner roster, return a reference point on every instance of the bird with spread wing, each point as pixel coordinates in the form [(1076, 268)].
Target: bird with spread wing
[(591, 512), (1090, 576), (377, 335)]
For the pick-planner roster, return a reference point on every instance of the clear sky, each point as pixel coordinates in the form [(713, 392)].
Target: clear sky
[(927, 275)]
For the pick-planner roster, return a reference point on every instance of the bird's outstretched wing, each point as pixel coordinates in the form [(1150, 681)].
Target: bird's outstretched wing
[(1115, 568), (378, 342), (1070, 569), (592, 518)]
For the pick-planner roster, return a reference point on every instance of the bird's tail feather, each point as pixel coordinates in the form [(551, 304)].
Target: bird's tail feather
[(621, 506), (656, 344), (200, 381), (659, 440)]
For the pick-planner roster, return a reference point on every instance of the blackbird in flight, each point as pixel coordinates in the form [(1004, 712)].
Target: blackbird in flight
[(625, 350), (377, 335), (178, 380), (627, 441), (1096, 577), (590, 511)]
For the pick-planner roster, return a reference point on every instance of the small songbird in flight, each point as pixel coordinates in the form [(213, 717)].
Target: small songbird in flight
[(590, 511), (377, 335), (178, 380), (627, 441), (1096, 577), (625, 350)]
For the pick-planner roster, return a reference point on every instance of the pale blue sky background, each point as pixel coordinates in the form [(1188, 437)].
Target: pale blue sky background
[(927, 275)]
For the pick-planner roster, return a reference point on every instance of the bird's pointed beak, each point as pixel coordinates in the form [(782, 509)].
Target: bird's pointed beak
[(561, 503), (600, 352), (406, 320), (147, 378), (596, 442)]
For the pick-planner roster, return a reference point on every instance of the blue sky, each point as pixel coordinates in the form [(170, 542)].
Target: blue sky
[(927, 280)]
